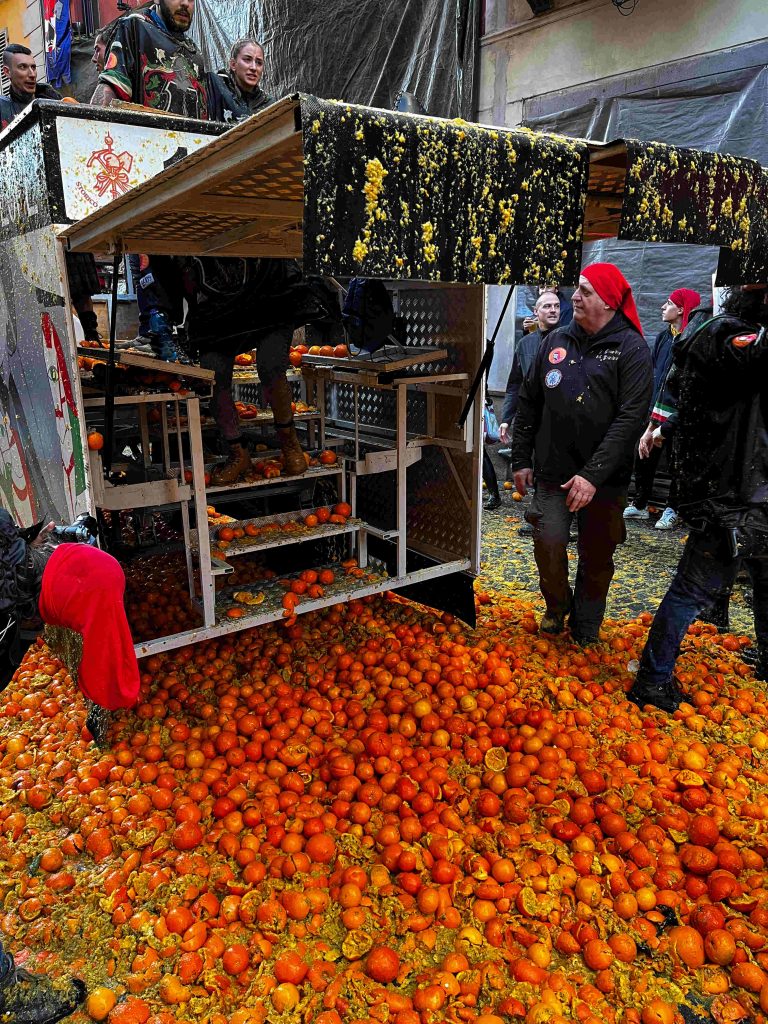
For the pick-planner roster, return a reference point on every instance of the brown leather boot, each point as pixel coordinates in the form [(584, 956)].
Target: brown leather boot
[(237, 464), (294, 463), (280, 397)]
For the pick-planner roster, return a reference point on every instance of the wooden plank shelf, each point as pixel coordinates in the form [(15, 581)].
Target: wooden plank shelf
[(242, 375), (386, 360), (153, 365), (268, 417), (342, 589), (280, 538), (313, 473)]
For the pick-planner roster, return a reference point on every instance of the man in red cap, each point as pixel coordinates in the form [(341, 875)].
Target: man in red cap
[(675, 314), (581, 410)]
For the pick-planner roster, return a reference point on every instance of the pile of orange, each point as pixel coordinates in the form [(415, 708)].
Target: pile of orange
[(377, 815)]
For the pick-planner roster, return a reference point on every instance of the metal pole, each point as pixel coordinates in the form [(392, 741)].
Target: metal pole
[(109, 399), (485, 363)]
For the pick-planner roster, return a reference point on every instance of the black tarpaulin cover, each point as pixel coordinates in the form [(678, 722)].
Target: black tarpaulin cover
[(363, 51), (726, 111), (397, 195)]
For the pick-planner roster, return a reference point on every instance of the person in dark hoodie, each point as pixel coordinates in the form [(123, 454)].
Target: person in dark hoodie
[(721, 459), (235, 92), (581, 410), (675, 313)]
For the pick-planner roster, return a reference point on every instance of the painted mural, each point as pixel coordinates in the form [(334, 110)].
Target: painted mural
[(35, 456), (63, 168)]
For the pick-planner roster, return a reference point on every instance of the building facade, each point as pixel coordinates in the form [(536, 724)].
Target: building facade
[(21, 21), (693, 73)]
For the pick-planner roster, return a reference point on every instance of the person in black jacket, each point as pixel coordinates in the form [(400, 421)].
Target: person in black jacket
[(581, 410), (21, 69), (547, 313), (721, 458), (235, 92), (675, 313)]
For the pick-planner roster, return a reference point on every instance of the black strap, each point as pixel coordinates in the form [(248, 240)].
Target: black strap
[(485, 362)]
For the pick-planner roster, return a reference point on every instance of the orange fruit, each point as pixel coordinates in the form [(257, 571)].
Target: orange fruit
[(658, 1011), (328, 457), (99, 1003), (343, 509), (95, 440)]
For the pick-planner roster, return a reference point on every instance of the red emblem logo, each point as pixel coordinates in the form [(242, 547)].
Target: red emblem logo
[(113, 167)]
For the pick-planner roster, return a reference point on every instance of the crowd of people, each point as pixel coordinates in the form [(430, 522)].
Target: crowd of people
[(588, 402)]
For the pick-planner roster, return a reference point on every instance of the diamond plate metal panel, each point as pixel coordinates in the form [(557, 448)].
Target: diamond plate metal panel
[(377, 408), (439, 519)]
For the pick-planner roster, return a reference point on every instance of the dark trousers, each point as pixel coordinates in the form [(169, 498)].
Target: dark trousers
[(489, 474), (601, 529), (645, 474), (706, 574), (271, 362)]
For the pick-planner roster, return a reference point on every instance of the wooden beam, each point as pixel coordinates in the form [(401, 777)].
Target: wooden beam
[(240, 233), (289, 247), (270, 134), (283, 209)]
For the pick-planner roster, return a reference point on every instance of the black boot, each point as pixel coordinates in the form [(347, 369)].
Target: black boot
[(27, 998), (761, 665), (666, 698), (717, 614), (97, 724), (492, 502), (90, 325)]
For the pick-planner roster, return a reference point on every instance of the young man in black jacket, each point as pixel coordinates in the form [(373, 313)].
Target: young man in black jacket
[(721, 459), (21, 69), (581, 410)]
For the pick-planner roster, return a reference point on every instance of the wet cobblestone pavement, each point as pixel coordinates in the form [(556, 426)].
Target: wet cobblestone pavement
[(645, 565)]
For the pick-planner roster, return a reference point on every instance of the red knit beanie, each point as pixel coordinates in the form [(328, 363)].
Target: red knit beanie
[(687, 300), (613, 288)]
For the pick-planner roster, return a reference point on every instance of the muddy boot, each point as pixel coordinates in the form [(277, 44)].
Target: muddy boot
[(237, 464), (280, 397), (34, 999)]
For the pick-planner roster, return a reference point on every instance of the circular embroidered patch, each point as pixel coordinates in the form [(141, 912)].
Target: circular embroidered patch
[(557, 355), (553, 378)]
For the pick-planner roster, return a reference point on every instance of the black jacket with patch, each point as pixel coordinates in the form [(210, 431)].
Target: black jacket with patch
[(584, 405)]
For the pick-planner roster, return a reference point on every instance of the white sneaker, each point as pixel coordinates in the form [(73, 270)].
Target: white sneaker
[(667, 520), (632, 512)]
